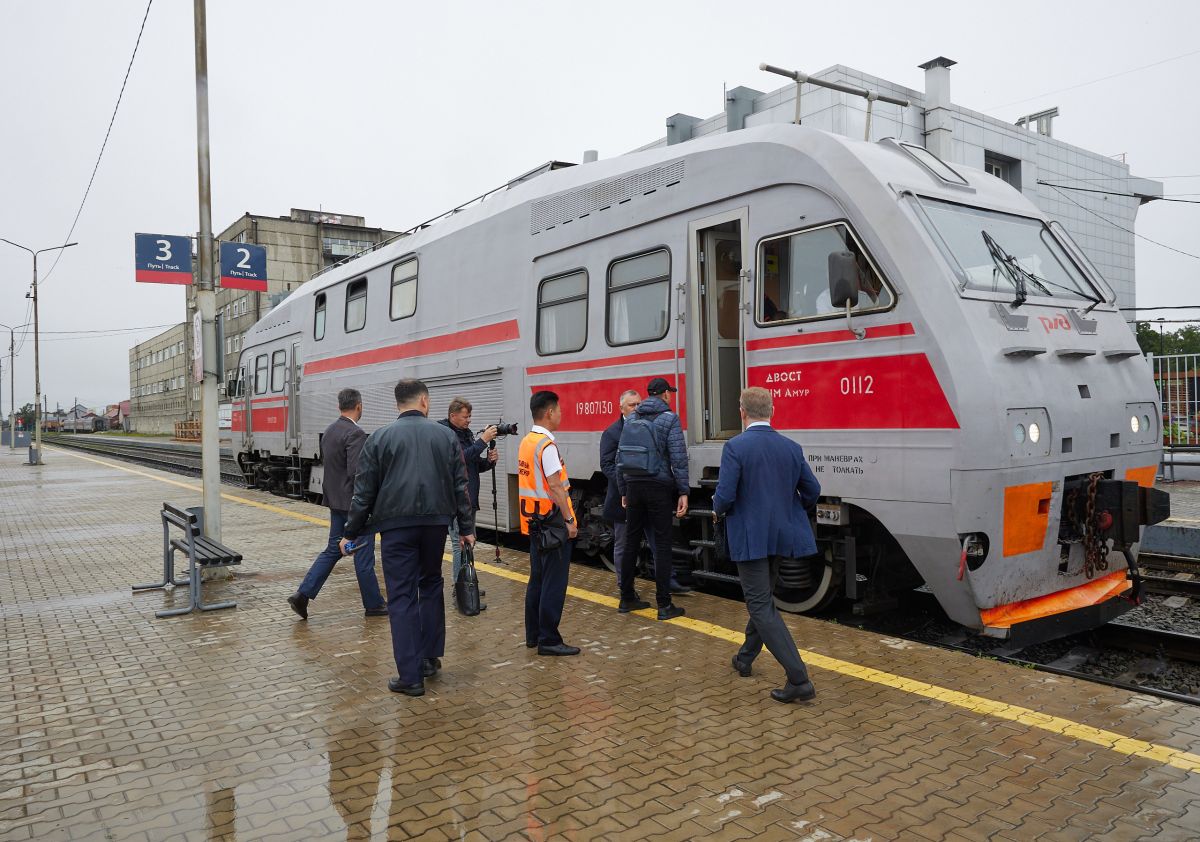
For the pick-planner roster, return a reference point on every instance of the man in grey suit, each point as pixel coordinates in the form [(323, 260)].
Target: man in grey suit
[(765, 488), (341, 445)]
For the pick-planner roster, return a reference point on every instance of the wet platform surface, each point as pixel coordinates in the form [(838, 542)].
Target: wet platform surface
[(250, 724)]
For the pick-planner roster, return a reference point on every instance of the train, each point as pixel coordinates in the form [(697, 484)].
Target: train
[(975, 406)]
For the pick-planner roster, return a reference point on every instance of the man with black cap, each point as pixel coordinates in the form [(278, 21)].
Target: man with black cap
[(653, 489)]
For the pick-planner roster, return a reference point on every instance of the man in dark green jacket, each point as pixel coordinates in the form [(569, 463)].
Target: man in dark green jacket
[(411, 481)]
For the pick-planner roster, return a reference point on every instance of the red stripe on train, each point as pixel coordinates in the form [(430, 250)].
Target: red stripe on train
[(875, 393), (827, 336), (270, 419), (590, 406), (581, 365), (457, 341)]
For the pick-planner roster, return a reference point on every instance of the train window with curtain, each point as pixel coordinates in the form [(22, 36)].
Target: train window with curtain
[(278, 370), (319, 318), (794, 273), (639, 298), (404, 289), (562, 314), (260, 374), (356, 305)]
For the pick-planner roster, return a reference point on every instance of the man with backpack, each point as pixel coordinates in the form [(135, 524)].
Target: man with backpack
[(652, 476)]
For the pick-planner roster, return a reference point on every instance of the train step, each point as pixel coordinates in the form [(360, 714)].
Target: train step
[(716, 577), (707, 513), (709, 482), (700, 543)]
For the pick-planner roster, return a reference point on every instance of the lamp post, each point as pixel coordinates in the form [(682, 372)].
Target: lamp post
[(12, 379), (35, 455), (1160, 321)]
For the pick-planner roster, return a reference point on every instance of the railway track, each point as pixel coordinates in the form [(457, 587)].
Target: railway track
[(1170, 574), (173, 458)]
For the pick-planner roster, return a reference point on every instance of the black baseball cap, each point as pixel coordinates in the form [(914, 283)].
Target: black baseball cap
[(659, 385)]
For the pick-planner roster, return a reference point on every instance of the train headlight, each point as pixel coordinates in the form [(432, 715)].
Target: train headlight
[(1035, 432), (1134, 423), (1019, 433)]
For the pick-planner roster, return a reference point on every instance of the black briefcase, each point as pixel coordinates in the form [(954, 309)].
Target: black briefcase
[(466, 586)]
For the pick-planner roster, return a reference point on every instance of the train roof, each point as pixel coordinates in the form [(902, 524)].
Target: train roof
[(848, 165)]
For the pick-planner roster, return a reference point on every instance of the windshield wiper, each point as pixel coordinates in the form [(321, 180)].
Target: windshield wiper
[(1020, 276)]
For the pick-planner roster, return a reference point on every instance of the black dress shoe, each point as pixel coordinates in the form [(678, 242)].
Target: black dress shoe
[(670, 612), (680, 589), (299, 603), (376, 612), (417, 689), (430, 666), (532, 645), (743, 668), (558, 649), (795, 692), (628, 605)]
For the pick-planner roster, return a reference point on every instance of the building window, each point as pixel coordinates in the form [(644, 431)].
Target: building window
[(794, 269), (1003, 167), (562, 314), (639, 302), (319, 318), (278, 365), (229, 345), (260, 374), (404, 289), (237, 343), (356, 305)]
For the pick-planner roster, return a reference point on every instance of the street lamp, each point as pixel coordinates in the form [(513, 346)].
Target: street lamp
[(12, 379), (35, 455), (1160, 321)]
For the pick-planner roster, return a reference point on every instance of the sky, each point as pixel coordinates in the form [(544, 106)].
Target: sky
[(399, 111)]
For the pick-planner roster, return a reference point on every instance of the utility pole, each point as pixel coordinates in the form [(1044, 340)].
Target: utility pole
[(12, 381), (206, 296)]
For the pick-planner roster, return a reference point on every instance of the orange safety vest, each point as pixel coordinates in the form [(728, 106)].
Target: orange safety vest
[(531, 479)]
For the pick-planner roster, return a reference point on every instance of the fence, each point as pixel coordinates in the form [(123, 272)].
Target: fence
[(1177, 377)]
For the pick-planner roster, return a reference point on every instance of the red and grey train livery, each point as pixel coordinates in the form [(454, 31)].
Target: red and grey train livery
[(968, 394)]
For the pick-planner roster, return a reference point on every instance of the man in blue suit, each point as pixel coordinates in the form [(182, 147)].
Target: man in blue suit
[(764, 489)]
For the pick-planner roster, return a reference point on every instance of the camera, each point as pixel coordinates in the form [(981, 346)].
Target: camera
[(503, 429)]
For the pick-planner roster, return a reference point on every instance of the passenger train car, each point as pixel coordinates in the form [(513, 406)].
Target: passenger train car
[(978, 413)]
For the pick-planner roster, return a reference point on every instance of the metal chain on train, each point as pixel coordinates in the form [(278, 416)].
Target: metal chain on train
[(1095, 552)]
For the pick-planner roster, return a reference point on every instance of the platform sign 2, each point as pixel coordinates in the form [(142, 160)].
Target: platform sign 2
[(244, 266), (162, 259)]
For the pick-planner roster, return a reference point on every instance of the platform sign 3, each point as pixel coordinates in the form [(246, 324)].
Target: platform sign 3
[(244, 266), (162, 259)]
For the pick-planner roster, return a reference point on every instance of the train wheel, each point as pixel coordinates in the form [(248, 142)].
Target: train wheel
[(806, 585), (606, 558)]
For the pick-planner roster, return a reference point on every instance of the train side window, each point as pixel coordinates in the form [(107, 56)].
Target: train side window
[(794, 269), (404, 289), (639, 298), (260, 374), (319, 318), (278, 365), (356, 305), (562, 314)]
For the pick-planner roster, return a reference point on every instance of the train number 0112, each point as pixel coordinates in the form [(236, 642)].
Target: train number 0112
[(858, 384)]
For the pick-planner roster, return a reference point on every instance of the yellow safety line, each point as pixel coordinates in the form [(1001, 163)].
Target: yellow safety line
[(976, 704)]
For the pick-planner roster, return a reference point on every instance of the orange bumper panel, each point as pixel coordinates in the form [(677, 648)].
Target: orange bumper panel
[(1082, 596), (1142, 476), (1026, 517)]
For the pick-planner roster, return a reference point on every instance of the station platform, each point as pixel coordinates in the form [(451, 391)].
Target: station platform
[(251, 724), (1179, 534)]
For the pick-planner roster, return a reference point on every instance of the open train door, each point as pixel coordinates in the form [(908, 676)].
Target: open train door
[(720, 301)]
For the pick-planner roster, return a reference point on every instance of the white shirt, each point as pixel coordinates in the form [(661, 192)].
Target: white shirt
[(758, 424), (551, 460)]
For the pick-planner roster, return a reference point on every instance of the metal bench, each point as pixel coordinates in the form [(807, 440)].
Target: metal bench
[(201, 552)]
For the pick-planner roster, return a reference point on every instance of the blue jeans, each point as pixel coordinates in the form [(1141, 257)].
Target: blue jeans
[(412, 567), (364, 564)]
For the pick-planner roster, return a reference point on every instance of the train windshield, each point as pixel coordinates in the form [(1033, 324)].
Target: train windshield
[(1003, 253)]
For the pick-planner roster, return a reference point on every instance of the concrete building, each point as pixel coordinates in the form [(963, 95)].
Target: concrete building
[(160, 385), (298, 246), (1051, 173)]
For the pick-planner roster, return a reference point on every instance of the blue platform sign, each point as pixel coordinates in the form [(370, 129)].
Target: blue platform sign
[(244, 266), (162, 259)]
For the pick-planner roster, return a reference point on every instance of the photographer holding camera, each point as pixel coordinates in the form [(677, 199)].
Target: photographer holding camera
[(479, 454)]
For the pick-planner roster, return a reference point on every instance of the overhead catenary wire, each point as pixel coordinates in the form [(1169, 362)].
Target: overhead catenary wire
[(104, 143), (1115, 224), (1115, 193)]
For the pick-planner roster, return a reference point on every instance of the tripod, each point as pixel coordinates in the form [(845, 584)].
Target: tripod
[(495, 506)]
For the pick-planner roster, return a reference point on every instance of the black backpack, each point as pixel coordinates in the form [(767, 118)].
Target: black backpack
[(466, 586), (637, 452)]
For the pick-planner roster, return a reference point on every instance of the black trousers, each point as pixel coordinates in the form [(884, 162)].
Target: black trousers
[(765, 626), (546, 593), (412, 568), (648, 506)]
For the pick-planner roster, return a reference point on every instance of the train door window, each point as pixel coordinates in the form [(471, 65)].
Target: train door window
[(562, 314), (639, 298), (278, 369), (356, 305), (260, 374), (404, 289), (319, 318), (795, 275)]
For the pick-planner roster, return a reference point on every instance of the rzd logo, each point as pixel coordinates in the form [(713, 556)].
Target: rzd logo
[(1059, 322)]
